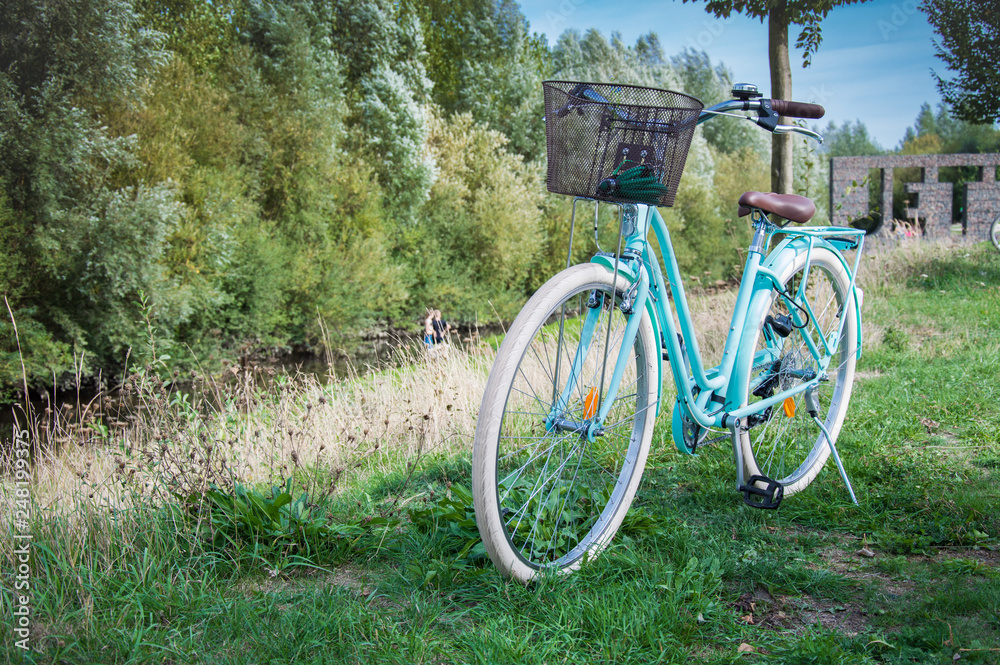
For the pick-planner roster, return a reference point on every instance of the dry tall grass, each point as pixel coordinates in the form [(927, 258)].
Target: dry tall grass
[(887, 263), (259, 428)]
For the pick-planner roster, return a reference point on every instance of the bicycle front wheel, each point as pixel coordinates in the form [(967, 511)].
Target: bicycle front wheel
[(550, 487), (784, 443), (995, 233)]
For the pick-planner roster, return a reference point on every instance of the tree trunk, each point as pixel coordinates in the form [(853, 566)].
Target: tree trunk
[(781, 88)]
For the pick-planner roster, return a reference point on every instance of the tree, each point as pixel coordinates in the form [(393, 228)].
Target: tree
[(849, 140), (379, 46), (970, 47), (483, 60), (480, 235), (80, 243), (712, 85), (780, 15), (944, 132), (199, 32), (591, 57)]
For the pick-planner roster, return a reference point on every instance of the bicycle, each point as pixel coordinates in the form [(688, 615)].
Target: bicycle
[(995, 233), (568, 411)]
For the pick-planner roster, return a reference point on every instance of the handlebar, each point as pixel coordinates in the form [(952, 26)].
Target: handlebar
[(767, 110), (767, 113), (585, 93)]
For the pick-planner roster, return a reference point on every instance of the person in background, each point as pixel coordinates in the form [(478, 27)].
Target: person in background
[(441, 328), (429, 329)]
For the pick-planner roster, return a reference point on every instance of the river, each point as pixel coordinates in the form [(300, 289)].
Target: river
[(61, 414)]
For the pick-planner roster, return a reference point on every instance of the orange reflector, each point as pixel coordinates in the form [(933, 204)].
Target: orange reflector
[(789, 406), (590, 404)]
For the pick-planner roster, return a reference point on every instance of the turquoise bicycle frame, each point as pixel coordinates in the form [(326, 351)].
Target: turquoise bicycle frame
[(711, 397)]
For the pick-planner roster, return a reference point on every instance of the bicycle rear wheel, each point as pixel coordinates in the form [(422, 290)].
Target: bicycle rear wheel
[(546, 495), (995, 233), (785, 443)]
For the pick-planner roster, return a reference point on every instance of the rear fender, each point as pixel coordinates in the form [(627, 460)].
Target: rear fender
[(778, 261)]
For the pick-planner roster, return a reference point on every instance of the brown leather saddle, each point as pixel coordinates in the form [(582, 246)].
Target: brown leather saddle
[(792, 207)]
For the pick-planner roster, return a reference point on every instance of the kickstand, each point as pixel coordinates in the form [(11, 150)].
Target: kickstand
[(836, 458), (734, 429)]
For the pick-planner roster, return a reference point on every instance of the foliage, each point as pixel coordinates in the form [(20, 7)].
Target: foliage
[(805, 13), (447, 521), (849, 140), (946, 133), (712, 85), (273, 210), (591, 57), (383, 55), (84, 239), (200, 33), (273, 523), (735, 173), (91, 51), (970, 47), (484, 61), (480, 230)]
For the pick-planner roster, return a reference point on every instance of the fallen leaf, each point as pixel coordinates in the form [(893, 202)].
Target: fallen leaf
[(865, 552), (748, 618), (746, 648), (931, 425)]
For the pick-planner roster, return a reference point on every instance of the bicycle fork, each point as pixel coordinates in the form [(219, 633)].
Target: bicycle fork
[(597, 403)]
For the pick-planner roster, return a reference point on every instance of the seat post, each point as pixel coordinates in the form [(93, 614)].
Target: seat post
[(761, 228)]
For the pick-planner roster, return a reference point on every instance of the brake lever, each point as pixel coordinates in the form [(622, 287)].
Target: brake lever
[(794, 129)]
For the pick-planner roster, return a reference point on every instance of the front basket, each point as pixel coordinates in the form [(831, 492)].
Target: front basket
[(620, 143)]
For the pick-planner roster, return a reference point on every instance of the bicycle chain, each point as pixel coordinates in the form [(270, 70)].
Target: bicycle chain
[(708, 442)]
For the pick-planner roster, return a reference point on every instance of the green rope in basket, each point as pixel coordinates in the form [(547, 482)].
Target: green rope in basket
[(638, 184)]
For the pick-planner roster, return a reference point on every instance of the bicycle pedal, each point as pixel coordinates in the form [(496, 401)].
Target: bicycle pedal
[(767, 497)]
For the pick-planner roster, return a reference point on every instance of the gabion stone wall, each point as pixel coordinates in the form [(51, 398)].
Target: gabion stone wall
[(932, 210)]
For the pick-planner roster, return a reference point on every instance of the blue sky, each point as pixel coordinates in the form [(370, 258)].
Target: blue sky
[(874, 64)]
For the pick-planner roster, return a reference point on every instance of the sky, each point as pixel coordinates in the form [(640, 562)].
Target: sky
[(874, 64)]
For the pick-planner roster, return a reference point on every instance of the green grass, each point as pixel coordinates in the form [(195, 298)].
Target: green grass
[(388, 568)]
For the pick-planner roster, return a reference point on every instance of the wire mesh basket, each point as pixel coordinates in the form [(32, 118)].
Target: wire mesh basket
[(620, 143)]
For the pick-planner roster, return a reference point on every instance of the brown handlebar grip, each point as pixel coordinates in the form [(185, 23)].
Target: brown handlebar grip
[(797, 109)]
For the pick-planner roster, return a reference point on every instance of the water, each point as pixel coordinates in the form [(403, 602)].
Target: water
[(65, 414)]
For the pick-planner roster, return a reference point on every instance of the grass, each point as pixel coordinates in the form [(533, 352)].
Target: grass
[(284, 521)]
